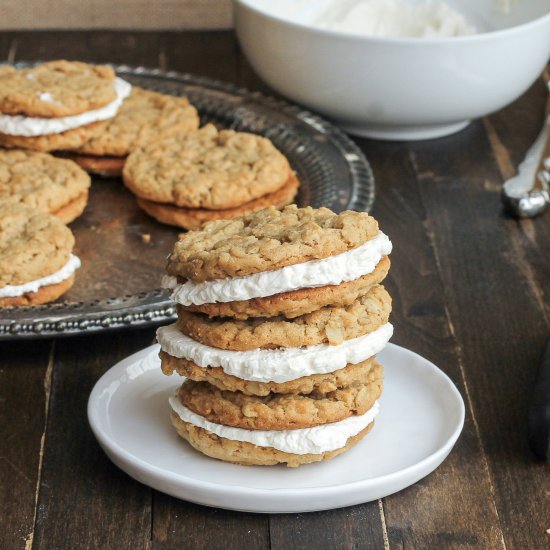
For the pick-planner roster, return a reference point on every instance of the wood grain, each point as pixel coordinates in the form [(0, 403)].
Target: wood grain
[(460, 488), (84, 501), (500, 320), (24, 398)]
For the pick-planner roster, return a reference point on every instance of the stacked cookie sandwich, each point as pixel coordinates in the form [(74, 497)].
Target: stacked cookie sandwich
[(280, 316), (57, 105), (189, 178)]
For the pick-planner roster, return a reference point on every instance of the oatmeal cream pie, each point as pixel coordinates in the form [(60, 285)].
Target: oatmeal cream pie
[(187, 179), (293, 429), (57, 105), (278, 263), (36, 262), (144, 117), (267, 387), (43, 182)]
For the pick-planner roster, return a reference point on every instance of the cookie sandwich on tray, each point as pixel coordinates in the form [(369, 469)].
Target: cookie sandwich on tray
[(280, 317), (57, 105), (189, 178), (36, 260)]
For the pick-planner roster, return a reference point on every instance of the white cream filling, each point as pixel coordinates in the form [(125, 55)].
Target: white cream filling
[(334, 270), (316, 440), (275, 365), (11, 291), (19, 125)]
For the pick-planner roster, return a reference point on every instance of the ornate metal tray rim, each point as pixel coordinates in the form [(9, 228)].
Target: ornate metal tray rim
[(154, 307)]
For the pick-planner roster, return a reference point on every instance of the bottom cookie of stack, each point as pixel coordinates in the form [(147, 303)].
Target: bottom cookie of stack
[(264, 407), (297, 429)]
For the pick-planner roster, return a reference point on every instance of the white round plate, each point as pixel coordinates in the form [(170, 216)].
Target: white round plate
[(421, 417)]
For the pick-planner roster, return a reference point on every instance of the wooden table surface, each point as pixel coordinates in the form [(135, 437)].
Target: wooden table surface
[(470, 289)]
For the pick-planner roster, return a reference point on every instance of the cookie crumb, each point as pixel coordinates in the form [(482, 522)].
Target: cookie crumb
[(146, 238)]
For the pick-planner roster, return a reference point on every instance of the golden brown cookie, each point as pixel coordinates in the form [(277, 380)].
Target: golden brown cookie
[(55, 89), (280, 411), (267, 240), (195, 218), (241, 452), (107, 167), (43, 295), (71, 139), (32, 244), (297, 302), (206, 169), (324, 383), (43, 182), (328, 325), (144, 117)]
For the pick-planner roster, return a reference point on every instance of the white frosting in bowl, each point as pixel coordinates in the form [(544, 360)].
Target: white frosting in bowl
[(11, 291), (275, 365), (334, 270), (316, 440), (19, 125)]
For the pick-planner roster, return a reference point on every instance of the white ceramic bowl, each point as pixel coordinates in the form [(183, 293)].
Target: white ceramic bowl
[(397, 88)]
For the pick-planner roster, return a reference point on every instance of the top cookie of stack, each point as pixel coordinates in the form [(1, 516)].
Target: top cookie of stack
[(280, 315), (57, 105)]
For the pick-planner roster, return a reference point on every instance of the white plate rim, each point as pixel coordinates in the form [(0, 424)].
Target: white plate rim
[(117, 453)]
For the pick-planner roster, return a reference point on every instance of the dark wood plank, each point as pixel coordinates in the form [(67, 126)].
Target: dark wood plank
[(453, 506), (499, 316), (356, 527), (212, 54), (84, 500), (133, 48), (179, 524), (24, 393)]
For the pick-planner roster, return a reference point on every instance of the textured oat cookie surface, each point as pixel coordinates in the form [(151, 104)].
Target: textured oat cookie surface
[(72, 87), (32, 244), (280, 411), (143, 117), (39, 180), (267, 240), (206, 169), (195, 218), (328, 325)]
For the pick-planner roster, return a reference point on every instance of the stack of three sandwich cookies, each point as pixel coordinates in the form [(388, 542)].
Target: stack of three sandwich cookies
[(280, 316)]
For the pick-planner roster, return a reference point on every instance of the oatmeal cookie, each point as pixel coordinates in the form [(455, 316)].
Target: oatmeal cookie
[(280, 411), (43, 295), (328, 325), (143, 117), (267, 240), (55, 89), (71, 139), (242, 452), (206, 169), (33, 245), (106, 167), (297, 302), (195, 218), (324, 383), (43, 182)]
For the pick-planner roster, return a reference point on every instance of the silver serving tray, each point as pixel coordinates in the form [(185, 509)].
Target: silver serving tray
[(123, 250)]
